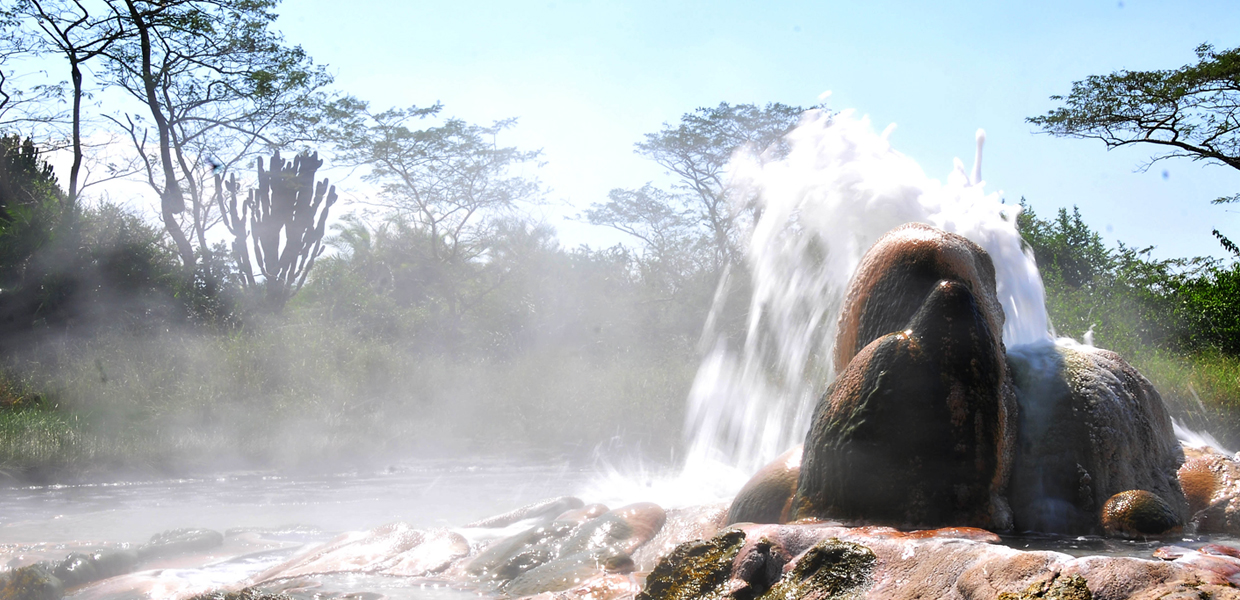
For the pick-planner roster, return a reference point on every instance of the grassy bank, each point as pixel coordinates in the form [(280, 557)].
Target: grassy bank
[(306, 395), (1202, 389), (314, 397)]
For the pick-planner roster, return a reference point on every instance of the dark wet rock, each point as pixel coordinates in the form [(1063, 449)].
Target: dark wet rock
[(917, 429), (113, 562), (569, 571), (76, 569), (897, 274), (1061, 588), (767, 496), (32, 582), (830, 569), (583, 514), (179, 541), (80, 568), (681, 525), (511, 556), (1211, 483), (49, 578), (1091, 427), (696, 569), (1138, 513), (547, 509)]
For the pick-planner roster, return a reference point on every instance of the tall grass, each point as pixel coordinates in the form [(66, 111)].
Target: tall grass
[(305, 394), (1202, 389)]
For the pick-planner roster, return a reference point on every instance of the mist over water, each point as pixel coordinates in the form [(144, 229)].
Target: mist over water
[(839, 188)]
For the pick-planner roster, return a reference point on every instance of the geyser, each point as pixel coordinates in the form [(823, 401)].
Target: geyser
[(906, 306), (839, 188)]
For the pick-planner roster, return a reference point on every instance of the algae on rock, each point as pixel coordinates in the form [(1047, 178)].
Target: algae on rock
[(830, 569), (694, 570), (1061, 588)]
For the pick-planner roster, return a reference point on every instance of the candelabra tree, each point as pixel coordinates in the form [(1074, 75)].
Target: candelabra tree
[(279, 226)]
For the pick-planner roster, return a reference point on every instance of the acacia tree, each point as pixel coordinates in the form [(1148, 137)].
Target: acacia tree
[(1190, 112), (697, 152), (217, 86), (448, 181)]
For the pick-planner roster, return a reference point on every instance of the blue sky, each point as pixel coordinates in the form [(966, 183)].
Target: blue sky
[(587, 79)]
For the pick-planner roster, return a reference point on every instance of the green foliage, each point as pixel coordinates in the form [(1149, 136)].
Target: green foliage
[(66, 268), (448, 185), (1134, 303), (528, 294), (308, 393), (1210, 309), (1190, 112), (30, 206), (1067, 251)]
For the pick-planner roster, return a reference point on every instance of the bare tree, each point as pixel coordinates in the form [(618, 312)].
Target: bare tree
[(674, 249), (69, 28), (24, 105), (218, 87)]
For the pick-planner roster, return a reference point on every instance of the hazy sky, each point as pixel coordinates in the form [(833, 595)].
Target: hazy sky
[(587, 79)]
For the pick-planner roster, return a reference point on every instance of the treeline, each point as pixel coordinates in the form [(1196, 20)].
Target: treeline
[(1133, 303), (443, 318)]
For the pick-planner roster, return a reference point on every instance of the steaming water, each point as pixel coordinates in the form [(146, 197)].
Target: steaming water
[(836, 192), (424, 493), (47, 522)]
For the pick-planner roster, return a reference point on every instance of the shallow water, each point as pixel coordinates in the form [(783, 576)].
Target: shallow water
[(430, 493), (286, 513), (1091, 545)]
